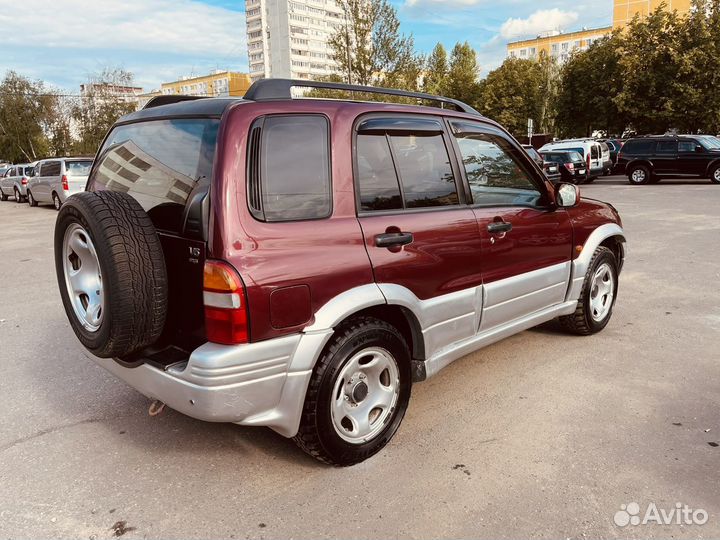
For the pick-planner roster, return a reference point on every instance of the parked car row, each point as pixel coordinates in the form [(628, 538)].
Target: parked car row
[(48, 181)]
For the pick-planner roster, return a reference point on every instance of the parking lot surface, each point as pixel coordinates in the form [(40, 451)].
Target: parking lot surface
[(542, 435)]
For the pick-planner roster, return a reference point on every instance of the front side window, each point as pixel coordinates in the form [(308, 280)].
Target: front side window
[(493, 168), (377, 182), (294, 168)]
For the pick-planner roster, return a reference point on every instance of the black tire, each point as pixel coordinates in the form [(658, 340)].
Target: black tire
[(582, 322), (715, 175), (18, 197), (3, 197), (643, 177), (132, 266), (590, 179), (317, 434), (56, 201), (31, 200)]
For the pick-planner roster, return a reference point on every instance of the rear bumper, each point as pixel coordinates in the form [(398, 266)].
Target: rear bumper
[(260, 383)]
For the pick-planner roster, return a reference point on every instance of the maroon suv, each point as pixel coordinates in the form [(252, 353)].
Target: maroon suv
[(299, 263)]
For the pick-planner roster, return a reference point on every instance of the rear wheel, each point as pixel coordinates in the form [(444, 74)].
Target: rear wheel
[(358, 393), (597, 298), (715, 175), (56, 201), (3, 197), (111, 273), (639, 175), (18, 197), (31, 200)]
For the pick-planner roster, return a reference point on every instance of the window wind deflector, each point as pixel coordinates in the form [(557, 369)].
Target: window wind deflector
[(384, 125)]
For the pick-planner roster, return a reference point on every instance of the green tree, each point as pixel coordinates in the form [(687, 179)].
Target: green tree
[(24, 107), (436, 71), (369, 48), (513, 93), (589, 82), (462, 78), (100, 105)]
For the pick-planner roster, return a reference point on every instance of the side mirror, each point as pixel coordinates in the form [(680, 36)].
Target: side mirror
[(567, 195)]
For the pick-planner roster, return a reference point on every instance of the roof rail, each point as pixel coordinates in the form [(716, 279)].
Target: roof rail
[(269, 89), (157, 101)]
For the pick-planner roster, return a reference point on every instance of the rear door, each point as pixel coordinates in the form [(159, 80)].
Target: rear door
[(422, 239), (50, 176), (666, 157), (76, 172), (526, 243)]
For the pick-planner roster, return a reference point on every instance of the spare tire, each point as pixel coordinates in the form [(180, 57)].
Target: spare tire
[(111, 273)]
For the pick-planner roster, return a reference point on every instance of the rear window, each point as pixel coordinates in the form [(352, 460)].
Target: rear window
[(78, 168), (158, 162), (639, 147)]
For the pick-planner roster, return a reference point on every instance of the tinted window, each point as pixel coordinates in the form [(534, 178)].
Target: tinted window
[(10, 172), (533, 154), (29, 171), (295, 168), (78, 168), (424, 168), (493, 168), (377, 181), (639, 147), (687, 146), (51, 168), (594, 151), (667, 147), (158, 162)]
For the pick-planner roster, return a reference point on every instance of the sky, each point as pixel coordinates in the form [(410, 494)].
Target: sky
[(63, 42)]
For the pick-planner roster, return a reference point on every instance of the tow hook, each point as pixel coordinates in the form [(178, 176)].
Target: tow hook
[(156, 407)]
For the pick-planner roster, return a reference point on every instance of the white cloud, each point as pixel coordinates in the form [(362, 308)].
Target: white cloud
[(541, 21), (153, 26)]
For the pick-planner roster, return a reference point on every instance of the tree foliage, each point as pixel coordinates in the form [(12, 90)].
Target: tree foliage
[(436, 71), (462, 77), (369, 48)]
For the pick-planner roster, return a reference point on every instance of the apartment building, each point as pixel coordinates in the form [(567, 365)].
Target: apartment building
[(219, 83), (559, 44), (288, 38)]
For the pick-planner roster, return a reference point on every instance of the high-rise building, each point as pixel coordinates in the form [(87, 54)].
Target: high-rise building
[(289, 38), (559, 45)]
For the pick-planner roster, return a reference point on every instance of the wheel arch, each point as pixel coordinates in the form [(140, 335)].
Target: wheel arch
[(639, 162), (711, 166), (610, 235)]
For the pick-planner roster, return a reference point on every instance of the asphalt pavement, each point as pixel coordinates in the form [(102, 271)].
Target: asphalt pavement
[(543, 435)]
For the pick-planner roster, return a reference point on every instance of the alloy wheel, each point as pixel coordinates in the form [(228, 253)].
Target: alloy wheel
[(602, 291), (83, 278)]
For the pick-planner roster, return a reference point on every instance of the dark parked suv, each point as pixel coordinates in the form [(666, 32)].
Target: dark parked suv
[(300, 263), (648, 159)]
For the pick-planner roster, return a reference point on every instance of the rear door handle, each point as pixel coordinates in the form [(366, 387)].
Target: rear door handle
[(393, 239), (499, 227)]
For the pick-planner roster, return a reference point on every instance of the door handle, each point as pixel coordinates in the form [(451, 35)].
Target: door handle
[(394, 239), (499, 227)]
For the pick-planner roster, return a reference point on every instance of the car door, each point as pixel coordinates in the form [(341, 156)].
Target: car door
[(421, 237), (692, 157), (39, 185), (6, 180), (526, 241), (665, 160)]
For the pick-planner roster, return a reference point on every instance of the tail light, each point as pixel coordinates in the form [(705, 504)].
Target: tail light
[(570, 166), (588, 162), (65, 185), (226, 319), (23, 181)]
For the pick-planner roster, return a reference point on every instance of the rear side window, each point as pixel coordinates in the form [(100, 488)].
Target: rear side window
[(51, 168), (667, 147), (639, 147), (404, 170), (289, 168), (687, 146), (594, 151), (78, 168), (159, 162)]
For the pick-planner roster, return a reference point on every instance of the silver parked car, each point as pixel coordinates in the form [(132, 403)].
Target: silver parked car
[(14, 182), (56, 179)]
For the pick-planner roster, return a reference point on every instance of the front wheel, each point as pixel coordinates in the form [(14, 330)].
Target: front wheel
[(3, 197), (358, 393), (31, 200), (715, 175), (598, 295)]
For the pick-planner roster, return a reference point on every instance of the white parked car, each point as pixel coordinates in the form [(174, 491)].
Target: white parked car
[(56, 179), (14, 182), (589, 149)]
